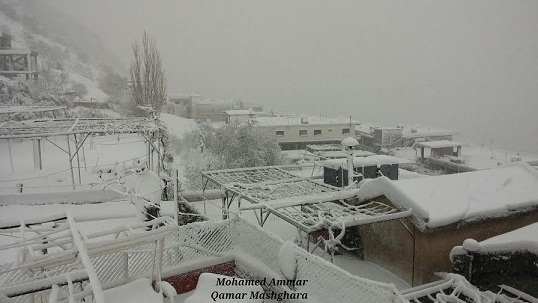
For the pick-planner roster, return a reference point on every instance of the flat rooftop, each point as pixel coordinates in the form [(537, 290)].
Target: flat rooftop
[(312, 120), (365, 161), (439, 144)]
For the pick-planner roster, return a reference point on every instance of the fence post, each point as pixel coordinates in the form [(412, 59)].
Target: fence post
[(176, 209)]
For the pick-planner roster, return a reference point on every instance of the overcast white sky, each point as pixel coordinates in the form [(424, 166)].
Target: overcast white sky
[(467, 65)]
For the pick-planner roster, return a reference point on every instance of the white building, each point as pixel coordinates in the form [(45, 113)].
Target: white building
[(238, 115), (297, 132)]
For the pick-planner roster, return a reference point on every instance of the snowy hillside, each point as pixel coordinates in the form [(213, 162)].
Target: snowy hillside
[(57, 52)]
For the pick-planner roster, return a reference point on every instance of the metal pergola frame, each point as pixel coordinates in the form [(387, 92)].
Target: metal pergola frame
[(308, 205), (14, 110), (77, 130)]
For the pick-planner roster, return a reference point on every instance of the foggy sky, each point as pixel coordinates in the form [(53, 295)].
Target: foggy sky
[(466, 65)]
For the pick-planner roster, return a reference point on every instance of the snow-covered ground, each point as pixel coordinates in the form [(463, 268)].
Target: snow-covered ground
[(138, 291), (177, 126), (109, 154)]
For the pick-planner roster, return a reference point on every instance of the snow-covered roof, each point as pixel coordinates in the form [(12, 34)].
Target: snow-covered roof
[(447, 199), (365, 161), (350, 142), (324, 147), (408, 132), (418, 132), (56, 127), (28, 109), (332, 154), (239, 112), (312, 120), (522, 239), (207, 101), (439, 144), (17, 51), (525, 238)]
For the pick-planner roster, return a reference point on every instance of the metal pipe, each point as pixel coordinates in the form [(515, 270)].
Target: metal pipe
[(78, 159), (70, 162)]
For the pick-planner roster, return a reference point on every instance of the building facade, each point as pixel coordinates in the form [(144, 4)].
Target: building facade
[(295, 133)]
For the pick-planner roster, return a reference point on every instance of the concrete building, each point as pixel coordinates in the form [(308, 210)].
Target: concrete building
[(439, 149), (297, 132), (381, 138), (238, 115), (214, 109)]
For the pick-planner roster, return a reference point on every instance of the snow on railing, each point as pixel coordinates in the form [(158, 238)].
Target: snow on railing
[(455, 288), (206, 242)]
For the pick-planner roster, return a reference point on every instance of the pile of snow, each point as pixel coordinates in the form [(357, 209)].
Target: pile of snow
[(177, 126), (287, 260), (138, 291), (525, 238), (149, 190), (522, 239), (406, 174), (447, 199)]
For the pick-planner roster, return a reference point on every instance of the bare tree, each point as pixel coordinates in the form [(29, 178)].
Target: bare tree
[(147, 76)]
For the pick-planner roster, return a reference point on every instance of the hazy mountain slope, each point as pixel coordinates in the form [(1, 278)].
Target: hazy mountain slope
[(66, 48)]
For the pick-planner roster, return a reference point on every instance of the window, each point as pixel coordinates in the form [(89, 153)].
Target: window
[(345, 131), (280, 133), (303, 132), (317, 132)]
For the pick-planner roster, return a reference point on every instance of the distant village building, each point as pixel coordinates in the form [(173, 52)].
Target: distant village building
[(446, 210), (444, 155), (182, 105), (15, 62), (379, 138), (213, 110), (297, 132), (238, 115), (439, 149)]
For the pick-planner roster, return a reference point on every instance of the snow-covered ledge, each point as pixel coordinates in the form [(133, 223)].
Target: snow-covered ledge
[(64, 197)]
